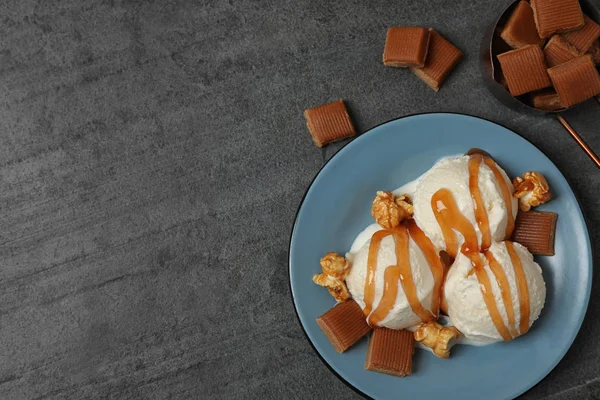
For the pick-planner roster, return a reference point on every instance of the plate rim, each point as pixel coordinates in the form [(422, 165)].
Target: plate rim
[(369, 131)]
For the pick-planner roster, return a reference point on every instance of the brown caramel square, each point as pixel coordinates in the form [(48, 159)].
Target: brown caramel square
[(524, 70), (344, 325), (520, 28), (547, 100), (536, 231), (558, 51), (576, 80), (553, 16), (329, 123), (442, 57), (390, 352), (582, 39), (406, 47)]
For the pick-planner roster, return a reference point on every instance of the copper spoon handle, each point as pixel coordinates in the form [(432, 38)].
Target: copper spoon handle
[(579, 140)]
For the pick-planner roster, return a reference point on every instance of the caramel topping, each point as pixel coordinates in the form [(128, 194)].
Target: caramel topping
[(504, 286), (522, 288), (371, 267), (506, 195), (434, 261), (448, 217), (478, 207), (488, 298), (401, 272)]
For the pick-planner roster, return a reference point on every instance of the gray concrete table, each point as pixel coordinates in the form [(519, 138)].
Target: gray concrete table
[(152, 156)]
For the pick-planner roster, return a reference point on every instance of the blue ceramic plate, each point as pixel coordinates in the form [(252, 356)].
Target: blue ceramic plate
[(337, 207)]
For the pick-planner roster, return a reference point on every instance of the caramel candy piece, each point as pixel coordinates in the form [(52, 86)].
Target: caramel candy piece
[(344, 325), (594, 51), (558, 51), (552, 16), (441, 59), (329, 123), (575, 81), (520, 29), (547, 100), (582, 39), (536, 230), (406, 47), (390, 352), (524, 70)]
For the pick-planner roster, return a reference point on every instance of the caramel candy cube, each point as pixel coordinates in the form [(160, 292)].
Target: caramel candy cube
[(344, 325), (329, 123), (442, 57), (552, 16), (558, 51), (547, 100), (406, 47), (520, 29), (576, 80), (536, 231), (390, 352), (524, 70), (582, 39)]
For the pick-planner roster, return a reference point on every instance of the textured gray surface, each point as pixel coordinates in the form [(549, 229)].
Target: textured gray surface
[(152, 156)]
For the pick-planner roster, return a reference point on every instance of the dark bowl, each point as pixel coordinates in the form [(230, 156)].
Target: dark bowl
[(493, 45)]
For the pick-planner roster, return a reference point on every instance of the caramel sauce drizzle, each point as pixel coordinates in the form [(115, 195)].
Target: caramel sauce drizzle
[(371, 267), (434, 261), (504, 286), (481, 216), (522, 288), (401, 272), (450, 218), (506, 195)]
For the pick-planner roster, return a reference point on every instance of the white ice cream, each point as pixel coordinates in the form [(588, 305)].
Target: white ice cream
[(466, 307), (453, 174), (401, 316)]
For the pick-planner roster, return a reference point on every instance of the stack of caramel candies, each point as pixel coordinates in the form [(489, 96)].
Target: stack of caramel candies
[(556, 50)]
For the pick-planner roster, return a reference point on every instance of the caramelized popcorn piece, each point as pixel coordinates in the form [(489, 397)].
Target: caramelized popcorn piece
[(386, 212), (437, 337), (531, 190), (335, 265), (403, 201), (337, 288)]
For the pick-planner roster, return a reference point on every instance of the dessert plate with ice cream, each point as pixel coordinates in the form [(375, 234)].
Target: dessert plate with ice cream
[(440, 256)]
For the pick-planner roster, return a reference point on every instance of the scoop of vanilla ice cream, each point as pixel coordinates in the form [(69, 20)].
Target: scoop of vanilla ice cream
[(453, 174), (401, 315), (466, 306)]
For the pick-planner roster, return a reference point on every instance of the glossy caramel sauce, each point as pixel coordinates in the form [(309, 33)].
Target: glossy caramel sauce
[(434, 261), (481, 216), (450, 220), (504, 286), (506, 195), (400, 273), (522, 288)]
